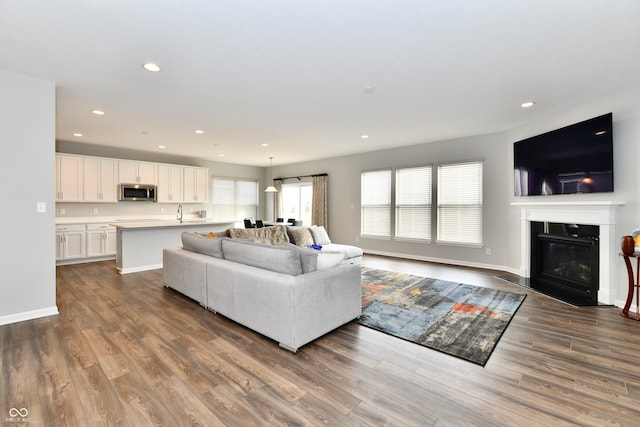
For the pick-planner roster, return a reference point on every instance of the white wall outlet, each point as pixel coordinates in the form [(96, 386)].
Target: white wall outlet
[(63, 211), (41, 207), (95, 211), (161, 210), (357, 238), (487, 251)]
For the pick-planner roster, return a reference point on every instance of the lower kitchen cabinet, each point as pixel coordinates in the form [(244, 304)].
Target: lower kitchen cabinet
[(71, 242), (101, 240)]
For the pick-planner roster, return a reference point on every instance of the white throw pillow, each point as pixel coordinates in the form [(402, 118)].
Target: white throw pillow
[(320, 236), (329, 259)]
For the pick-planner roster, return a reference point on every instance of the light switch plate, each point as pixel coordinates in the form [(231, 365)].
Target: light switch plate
[(41, 207)]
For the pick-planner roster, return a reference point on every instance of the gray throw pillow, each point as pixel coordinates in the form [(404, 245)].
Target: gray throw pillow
[(281, 259), (195, 242)]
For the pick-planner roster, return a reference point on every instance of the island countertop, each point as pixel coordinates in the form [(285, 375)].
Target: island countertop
[(167, 223)]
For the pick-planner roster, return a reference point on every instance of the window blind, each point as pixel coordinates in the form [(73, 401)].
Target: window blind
[(460, 202), (413, 203), (234, 200), (375, 195)]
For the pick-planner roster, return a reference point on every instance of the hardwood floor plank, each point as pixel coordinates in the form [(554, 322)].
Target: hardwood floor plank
[(126, 351)]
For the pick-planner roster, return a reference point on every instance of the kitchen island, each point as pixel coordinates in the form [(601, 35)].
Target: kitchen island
[(140, 244)]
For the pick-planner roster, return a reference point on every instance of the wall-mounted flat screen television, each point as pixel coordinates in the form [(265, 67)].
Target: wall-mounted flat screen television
[(574, 159)]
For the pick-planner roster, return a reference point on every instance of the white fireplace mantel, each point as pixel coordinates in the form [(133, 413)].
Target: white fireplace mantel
[(601, 213)]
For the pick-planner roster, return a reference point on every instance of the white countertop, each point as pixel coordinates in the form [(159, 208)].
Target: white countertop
[(128, 220), (168, 223)]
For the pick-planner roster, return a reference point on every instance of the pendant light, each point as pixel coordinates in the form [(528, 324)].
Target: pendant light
[(271, 188)]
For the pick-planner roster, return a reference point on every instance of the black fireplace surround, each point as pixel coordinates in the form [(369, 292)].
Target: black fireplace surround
[(565, 261)]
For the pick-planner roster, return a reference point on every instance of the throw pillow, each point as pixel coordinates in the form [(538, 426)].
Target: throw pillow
[(195, 242), (320, 235), (329, 259), (308, 258), (281, 259), (301, 236), (212, 235)]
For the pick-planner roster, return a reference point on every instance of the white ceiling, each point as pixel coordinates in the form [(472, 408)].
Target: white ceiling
[(293, 73)]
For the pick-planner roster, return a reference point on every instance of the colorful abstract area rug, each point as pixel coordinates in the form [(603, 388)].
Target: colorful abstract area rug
[(461, 320)]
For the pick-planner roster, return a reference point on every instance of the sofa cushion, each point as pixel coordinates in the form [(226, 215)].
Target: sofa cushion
[(276, 235), (320, 236), (300, 236), (348, 250), (308, 258), (281, 259), (195, 242), (328, 259)]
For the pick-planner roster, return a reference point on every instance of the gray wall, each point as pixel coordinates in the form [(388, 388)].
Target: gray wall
[(27, 168), (344, 196)]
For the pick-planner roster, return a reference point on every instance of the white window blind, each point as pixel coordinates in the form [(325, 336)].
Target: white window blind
[(413, 203), (460, 203), (234, 200), (375, 195)]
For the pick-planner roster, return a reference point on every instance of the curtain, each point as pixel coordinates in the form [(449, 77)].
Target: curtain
[(319, 213), (277, 199)]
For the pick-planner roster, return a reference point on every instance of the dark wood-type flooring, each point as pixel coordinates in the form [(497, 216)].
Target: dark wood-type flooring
[(126, 351)]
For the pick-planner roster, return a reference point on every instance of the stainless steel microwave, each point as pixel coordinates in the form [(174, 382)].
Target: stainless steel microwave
[(137, 192)]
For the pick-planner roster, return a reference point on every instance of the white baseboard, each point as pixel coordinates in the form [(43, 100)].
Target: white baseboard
[(28, 315), (140, 268), (446, 261)]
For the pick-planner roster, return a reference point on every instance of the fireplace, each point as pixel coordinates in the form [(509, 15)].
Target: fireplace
[(600, 213), (565, 261)]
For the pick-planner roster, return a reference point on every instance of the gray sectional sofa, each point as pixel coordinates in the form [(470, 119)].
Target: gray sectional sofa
[(288, 293)]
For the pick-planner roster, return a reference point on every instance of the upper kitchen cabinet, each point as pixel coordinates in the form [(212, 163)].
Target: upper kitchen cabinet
[(134, 172), (170, 183), (196, 184), (69, 178), (100, 180)]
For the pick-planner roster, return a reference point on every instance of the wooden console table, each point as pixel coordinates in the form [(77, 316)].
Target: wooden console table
[(634, 284)]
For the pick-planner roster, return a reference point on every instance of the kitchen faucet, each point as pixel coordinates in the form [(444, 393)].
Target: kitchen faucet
[(179, 216)]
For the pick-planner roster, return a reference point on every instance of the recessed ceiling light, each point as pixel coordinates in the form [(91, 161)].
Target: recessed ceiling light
[(220, 155), (162, 146), (527, 104), (150, 66), (364, 136), (198, 131), (77, 134), (264, 144), (98, 112)]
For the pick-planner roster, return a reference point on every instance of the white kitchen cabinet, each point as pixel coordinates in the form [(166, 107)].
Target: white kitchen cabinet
[(101, 240), (69, 178), (70, 241), (170, 183), (100, 183), (196, 184), (134, 172)]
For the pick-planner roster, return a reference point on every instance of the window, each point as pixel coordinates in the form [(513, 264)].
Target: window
[(296, 201), (459, 214), (234, 200), (413, 203), (375, 202)]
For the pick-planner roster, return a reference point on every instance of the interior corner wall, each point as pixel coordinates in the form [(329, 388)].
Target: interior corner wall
[(27, 170)]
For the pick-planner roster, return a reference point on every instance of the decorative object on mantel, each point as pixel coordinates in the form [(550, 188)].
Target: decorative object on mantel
[(636, 239), (460, 320), (628, 245)]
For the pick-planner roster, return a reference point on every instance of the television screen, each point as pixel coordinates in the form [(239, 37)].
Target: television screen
[(574, 159)]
